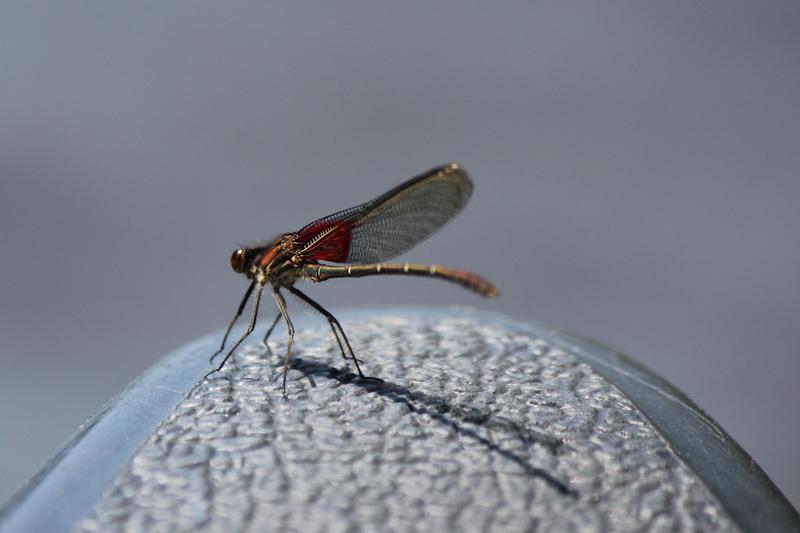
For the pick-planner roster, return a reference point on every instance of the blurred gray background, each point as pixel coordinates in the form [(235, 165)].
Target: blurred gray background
[(637, 174)]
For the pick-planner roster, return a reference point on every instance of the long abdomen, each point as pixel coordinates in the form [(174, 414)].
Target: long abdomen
[(468, 280)]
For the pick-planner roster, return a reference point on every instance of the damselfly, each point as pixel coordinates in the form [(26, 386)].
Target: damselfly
[(359, 239)]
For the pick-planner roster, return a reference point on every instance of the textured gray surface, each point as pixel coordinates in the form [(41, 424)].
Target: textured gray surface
[(636, 168), (478, 426)]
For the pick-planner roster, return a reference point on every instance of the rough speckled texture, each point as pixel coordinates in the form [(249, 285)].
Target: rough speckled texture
[(477, 427)]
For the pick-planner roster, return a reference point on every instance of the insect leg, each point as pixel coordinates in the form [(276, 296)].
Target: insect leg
[(334, 325), (282, 308), (329, 317), (269, 331), (239, 312), (249, 330)]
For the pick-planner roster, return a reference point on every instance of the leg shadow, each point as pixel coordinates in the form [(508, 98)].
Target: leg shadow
[(452, 416)]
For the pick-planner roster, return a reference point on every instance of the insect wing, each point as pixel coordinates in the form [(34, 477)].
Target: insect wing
[(390, 224)]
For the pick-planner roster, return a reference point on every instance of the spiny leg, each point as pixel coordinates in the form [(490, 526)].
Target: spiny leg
[(239, 312), (334, 325), (282, 308), (269, 331), (332, 321), (330, 318), (250, 328)]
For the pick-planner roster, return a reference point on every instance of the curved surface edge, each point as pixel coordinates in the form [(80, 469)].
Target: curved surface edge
[(745, 491), (70, 483), (91, 459)]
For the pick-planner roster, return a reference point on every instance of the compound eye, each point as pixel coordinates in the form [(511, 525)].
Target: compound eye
[(237, 260)]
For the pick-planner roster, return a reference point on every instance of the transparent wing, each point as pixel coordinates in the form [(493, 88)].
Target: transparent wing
[(390, 224)]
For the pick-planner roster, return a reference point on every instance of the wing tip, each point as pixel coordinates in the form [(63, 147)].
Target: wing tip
[(451, 167), (458, 169)]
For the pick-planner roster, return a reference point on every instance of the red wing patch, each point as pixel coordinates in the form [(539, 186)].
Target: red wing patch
[(326, 241)]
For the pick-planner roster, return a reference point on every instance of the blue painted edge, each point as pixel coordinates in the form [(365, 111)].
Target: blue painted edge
[(70, 484)]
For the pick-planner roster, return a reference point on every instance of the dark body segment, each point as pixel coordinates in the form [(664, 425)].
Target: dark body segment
[(467, 280)]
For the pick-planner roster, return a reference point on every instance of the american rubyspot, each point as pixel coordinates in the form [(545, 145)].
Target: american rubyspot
[(358, 238)]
